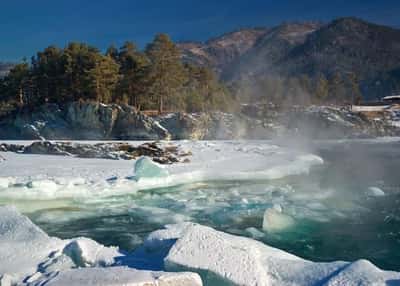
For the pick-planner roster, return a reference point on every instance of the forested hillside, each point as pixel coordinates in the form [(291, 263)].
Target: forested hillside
[(153, 79)]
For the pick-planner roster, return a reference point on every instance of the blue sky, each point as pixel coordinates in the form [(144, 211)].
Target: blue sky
[(27, 26)]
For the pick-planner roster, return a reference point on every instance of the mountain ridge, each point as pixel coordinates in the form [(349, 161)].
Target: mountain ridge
[(345, 45)]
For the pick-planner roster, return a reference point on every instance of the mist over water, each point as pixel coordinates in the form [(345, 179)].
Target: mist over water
[(338, 211)]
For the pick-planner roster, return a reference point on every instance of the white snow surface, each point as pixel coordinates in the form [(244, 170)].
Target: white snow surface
[(24, 176), (28, 256)]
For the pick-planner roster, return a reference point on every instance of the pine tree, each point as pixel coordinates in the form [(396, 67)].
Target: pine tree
[(112, 52), (15, 84), (155, 78), (133, 70), (166, 74), (102, 78)]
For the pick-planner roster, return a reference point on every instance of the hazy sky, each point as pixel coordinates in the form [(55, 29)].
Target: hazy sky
[(29, 25)]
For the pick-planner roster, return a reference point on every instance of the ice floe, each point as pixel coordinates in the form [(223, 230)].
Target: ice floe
[(375, 192), (275, 220), (223, 258), (146, 168), (30, 257)]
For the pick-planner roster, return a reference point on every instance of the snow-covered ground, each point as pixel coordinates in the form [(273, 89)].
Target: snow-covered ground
[(50, 177), (171, 256)]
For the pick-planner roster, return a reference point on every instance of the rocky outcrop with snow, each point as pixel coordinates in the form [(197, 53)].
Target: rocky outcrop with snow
[(167, 154), (323, 122), (94, 121), (82, 120), (213, 126)]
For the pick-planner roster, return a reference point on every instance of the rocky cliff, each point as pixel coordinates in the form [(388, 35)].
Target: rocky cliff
[(93, 121), (80, 120)]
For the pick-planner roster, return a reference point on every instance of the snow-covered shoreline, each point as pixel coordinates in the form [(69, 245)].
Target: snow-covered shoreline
[(50, 177)]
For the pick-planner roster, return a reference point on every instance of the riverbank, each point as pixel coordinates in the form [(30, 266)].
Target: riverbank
[(95, 121)]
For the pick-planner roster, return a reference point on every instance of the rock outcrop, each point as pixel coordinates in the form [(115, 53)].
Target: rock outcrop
[(93, 121), (82, 120), (163, 154)]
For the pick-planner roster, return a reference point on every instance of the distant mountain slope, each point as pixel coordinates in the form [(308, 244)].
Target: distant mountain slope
[(219, 52), (345, 45), (270, 51), (349, 45)]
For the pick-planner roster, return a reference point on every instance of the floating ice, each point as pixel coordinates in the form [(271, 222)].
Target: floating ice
[(222, 258), (85, 252), (146, 168), (29, 257), (47, 186), (254, 232), (274, 220), (375, 192)]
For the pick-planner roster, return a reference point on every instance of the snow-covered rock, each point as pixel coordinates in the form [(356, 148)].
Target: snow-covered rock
[(82, 120)]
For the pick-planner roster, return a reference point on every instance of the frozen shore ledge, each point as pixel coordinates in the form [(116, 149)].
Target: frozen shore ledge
[(180, 254)]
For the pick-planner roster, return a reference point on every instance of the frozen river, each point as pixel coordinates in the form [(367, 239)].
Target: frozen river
[(346, 208)]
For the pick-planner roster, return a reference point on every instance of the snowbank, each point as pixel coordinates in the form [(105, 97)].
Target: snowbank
[(51, 177)]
